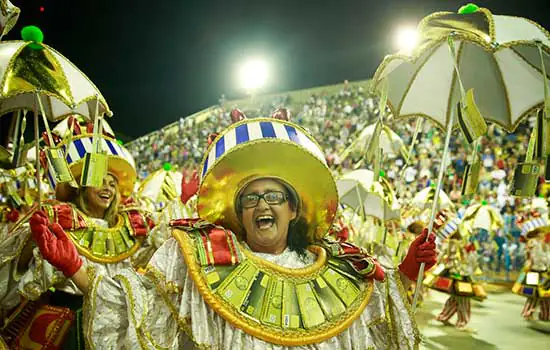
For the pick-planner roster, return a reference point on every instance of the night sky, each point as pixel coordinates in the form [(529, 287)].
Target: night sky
[(157, 61)]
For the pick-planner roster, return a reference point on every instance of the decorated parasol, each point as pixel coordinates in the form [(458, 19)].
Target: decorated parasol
[(497, 56), (35, 77), (482, 216), (359, 190), (425, 198), (161, 186), (504, 59), (371, 207), (390, 143)]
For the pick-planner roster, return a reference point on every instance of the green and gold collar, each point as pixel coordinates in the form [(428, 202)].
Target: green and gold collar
[(105, 245), (289, 307)]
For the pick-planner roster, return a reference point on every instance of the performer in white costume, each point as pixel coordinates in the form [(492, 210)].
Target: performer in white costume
[(109, 236), (263, 276)]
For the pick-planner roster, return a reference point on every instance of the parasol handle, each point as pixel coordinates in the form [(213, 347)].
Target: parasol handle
[(435, 203), (16, 138), (37, 154), (419, 122), (45, 120), (544, 80)]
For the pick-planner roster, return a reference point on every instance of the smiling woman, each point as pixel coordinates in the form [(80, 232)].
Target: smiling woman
[(107, 236), (100, 202)]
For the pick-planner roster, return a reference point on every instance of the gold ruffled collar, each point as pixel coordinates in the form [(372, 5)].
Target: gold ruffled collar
[(280, 305), (102, 244)]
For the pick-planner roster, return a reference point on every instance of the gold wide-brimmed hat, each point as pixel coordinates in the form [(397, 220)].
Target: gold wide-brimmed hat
[(120, 162), (267, 148)]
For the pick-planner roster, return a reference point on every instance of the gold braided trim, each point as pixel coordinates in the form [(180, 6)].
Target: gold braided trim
[(33, 289), (167, 285), (89, 306), (410, 312), (291, 274), (140, 332), (184, 323), (285, 337)]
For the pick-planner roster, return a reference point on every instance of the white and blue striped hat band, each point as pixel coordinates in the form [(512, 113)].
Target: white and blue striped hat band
[(259, 129), (533, 224), (450, 227), (120, 161)]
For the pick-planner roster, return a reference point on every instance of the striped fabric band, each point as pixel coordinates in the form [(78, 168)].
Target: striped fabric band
[(79, 147), (448, 229), (257, 130), (532, 224)]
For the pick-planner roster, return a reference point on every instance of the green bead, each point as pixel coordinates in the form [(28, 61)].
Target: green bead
[(34, 34), (468, 8)]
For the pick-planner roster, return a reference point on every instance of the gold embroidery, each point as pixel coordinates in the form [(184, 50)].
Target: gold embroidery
[(89, 307), (160, 281)]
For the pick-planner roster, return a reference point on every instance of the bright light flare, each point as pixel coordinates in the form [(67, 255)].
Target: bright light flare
[(406, 39), (253, 74)]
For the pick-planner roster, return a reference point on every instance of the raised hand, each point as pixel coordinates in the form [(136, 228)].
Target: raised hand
[(189, 187), (420, 251), (54, 244)]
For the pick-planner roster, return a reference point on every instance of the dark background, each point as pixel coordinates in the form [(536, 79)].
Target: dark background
[(157, 61)]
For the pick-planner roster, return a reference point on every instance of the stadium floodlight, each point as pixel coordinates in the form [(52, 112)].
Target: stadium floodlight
[(406, 39), (253, 74)]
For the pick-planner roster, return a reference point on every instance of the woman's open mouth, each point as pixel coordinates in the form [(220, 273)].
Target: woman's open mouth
[(105, 196), (265, 222)]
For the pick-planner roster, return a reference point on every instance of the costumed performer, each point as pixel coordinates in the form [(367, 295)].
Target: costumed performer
[(104, 236), (254, 272)]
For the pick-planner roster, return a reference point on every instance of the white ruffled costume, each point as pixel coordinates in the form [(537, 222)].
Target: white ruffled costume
[(35, 279), (164, 310)]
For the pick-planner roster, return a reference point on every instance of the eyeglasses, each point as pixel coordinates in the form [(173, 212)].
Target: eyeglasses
[(271, 198)]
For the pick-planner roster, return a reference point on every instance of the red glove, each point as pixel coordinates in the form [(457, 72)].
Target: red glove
[(13, 215), (54, 244), (379, 273), (419, 252), (189, 188)]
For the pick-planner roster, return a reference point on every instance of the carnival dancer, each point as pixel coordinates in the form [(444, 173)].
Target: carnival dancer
[(454, 276), (534, 281), (18, 191), (105, 236), (255, 271), (13, 199)]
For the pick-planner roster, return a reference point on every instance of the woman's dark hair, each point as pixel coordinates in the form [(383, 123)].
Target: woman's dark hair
[(297, 230), (297, 239)]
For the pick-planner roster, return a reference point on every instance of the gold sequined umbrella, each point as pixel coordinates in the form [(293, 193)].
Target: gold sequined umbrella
[(29, 69), (497, 56), (33, 76)]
